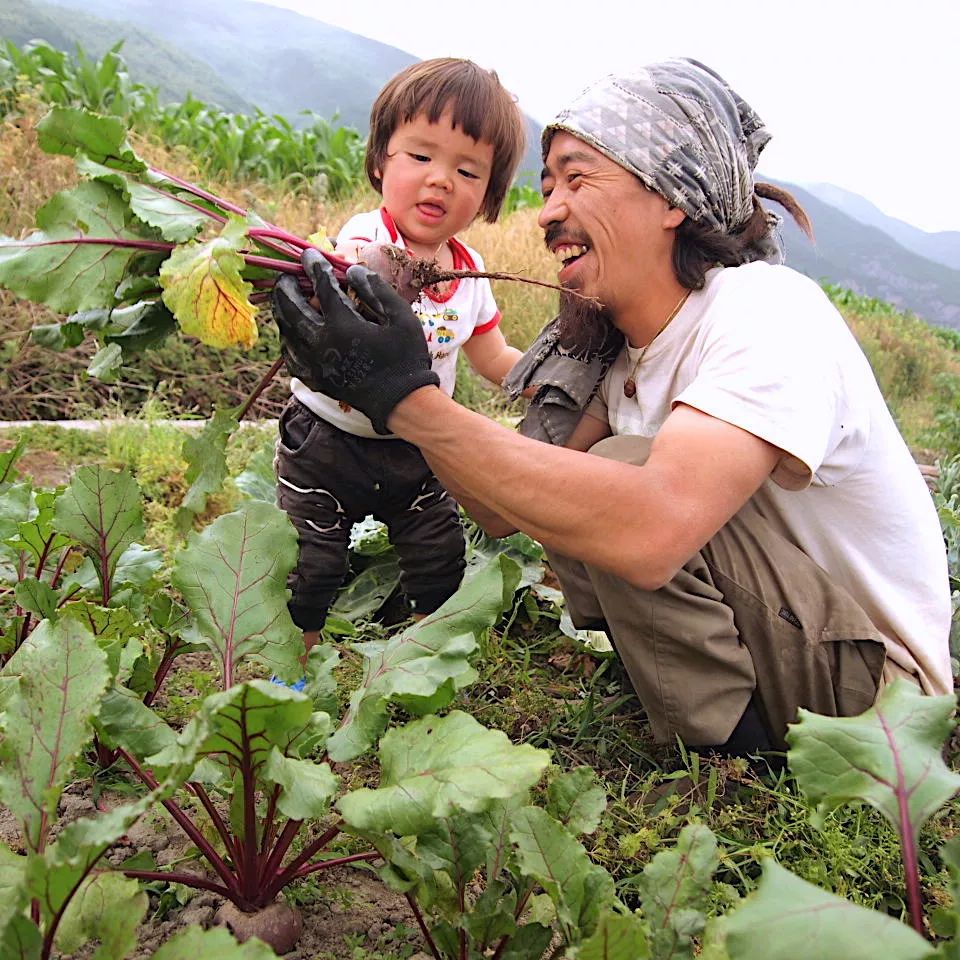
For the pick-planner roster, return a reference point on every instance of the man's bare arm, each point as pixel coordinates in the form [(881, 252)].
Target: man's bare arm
[(640, 522), (585, 434)]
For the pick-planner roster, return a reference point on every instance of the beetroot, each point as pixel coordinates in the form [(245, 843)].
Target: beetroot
[(402, 271), (279, 925)]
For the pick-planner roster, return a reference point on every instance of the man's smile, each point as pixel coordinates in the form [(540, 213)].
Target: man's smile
[(566, 253)]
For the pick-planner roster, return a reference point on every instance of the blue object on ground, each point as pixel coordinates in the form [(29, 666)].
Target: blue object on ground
[(297, 685)]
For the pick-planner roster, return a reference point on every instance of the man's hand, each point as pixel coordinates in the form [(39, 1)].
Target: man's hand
[(370, 365)]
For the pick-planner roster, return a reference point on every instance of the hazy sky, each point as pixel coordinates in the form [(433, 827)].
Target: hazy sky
[(862, 95)]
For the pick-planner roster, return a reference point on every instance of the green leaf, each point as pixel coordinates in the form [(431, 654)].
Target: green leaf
[(8, 460), (105, 363), (36, 535), (13, 888), (258, 481), (137, 565), (195, 943), (531, 940), (48, 720), (72, 131), (16, 505), (492, 915), (21, 940), (674, 892), (155, 202), (417, 662), (577, 800), (204, 289), (321, 685), (243, 725), (233, 577), (525, 552), (434, 767), (55, 266), (138, 326), (549, 854), (367, 592), (37, 597), (206, 457), (102, 510), (54, 877), (125, 721), (108, 907), (455, 846), (619, 936), (308, 788), (889, 756), (788, 918), (57, 336)]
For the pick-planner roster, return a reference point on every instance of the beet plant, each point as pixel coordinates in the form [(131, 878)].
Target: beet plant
[(889, 757), (73, 554), (55, 897), (263, 806)]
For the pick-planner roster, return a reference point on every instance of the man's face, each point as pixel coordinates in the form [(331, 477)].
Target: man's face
[(609, 233)]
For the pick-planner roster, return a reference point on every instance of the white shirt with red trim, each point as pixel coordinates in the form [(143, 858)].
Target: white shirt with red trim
[(466, 309)]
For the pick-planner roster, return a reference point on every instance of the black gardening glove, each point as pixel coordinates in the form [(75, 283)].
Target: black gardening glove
[(371, 365)]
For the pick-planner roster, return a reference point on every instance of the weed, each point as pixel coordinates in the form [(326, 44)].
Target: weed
[(184, 689)]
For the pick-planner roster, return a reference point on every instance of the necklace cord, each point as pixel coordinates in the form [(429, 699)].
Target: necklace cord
[(630, 384)]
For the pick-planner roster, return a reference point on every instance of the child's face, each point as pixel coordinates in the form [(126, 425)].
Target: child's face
[(433, 181)]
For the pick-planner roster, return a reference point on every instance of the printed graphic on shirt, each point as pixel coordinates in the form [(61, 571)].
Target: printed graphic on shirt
[(436, 330)]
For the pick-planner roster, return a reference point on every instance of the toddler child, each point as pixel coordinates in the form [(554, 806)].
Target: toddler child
[(445, 141)]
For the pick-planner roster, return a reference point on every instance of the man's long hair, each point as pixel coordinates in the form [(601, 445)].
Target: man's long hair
[(698, 248)]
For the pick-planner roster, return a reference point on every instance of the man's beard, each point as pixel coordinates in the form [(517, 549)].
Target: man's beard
[(585, 327)]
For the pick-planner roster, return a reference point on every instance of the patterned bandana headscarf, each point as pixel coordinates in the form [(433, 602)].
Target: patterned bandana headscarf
[(679, 127)]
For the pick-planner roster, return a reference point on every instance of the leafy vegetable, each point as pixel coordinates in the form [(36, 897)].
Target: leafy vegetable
[(889, 757), (133, 238)]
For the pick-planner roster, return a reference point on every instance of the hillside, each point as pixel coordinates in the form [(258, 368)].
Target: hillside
[(275, 59), (942, 246), (151, 60), (865, 259)]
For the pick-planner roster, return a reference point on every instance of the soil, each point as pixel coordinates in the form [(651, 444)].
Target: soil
[(45, 467)]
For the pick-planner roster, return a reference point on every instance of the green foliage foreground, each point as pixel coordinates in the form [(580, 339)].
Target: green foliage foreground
[(380, 766)]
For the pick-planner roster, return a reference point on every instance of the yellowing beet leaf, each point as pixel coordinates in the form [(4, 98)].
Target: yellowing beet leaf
[(203, 289)]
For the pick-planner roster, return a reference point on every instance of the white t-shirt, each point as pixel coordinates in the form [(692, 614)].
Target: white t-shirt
[(466, 309), (763, 348)]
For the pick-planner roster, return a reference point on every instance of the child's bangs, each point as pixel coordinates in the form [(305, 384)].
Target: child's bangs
[(476, 107)]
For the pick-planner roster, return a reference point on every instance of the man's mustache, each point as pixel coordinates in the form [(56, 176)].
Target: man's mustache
[(557, 232)]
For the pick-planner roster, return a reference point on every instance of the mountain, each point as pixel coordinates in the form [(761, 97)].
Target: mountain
[(151, 60), (942, 246), (232, 51), (865, 259)]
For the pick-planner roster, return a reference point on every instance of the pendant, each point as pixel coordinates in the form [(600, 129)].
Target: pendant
[(629, 387)]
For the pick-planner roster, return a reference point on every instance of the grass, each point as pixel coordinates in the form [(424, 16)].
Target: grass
[(542, 688)]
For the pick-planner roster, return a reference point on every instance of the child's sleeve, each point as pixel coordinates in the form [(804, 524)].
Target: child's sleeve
[(360, 228)]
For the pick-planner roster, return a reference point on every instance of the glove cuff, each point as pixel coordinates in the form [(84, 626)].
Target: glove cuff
[(397, 391)]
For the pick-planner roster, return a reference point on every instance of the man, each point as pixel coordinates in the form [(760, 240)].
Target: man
[(735, 506)]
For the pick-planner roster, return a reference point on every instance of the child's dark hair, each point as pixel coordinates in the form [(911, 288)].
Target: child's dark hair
[(480, 106)]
